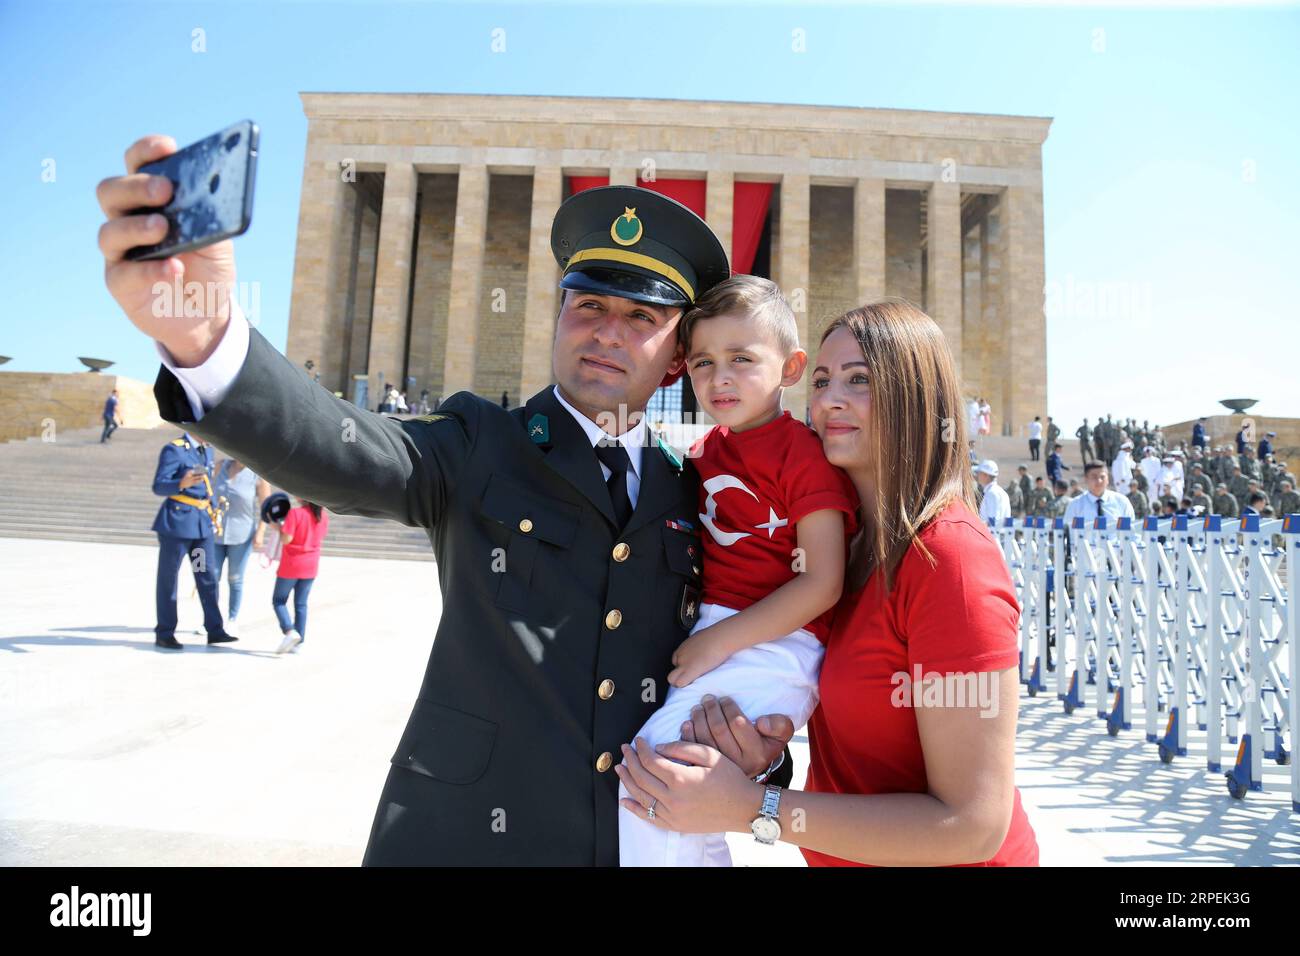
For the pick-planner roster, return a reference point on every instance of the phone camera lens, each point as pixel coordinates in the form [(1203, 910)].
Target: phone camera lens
[(214, 182), (232, 141)]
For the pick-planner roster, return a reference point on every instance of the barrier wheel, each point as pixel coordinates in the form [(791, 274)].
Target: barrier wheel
[(1069, 706), (1112, 729), (1283, 757), (1236, 788), (1166, 755), (1033, 691)]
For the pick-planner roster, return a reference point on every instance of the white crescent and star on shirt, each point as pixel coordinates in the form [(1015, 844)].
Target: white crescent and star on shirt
[(715, 486)]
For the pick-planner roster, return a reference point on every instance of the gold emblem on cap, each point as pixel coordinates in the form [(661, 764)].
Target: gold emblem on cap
[(625, 226)]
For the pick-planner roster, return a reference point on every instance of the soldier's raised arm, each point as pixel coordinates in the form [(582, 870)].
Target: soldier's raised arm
[(225, 383)]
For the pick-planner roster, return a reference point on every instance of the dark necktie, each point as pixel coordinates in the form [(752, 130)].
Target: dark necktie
[(1100, 513), (614, 457)]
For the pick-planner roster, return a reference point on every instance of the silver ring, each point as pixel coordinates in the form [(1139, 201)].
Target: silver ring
[(650, 812)]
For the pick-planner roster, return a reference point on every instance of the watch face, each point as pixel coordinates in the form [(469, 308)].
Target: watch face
[(766, 830)]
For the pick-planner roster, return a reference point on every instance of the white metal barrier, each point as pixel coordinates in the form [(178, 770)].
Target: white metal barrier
[(1188, 618)]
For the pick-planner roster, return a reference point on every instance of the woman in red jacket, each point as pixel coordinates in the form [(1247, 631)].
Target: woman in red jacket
[(302, 531), (913, 744)]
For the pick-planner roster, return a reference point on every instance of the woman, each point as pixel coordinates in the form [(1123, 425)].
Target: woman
[(241, 527), (301, 533), (986, 417), (907, 768)]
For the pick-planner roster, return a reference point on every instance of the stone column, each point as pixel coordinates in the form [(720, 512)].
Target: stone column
[(315, 321), (719, 206), (392, 281), (1023, 278), (943, 264), (623, 175), (542, 299), (792, 271), (466, 280), (363, 293), (869, 239)]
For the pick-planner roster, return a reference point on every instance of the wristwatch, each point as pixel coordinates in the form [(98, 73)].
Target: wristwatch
[(766, 827)]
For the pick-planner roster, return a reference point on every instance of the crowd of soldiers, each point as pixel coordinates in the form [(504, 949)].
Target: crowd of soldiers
[(1192, 477)]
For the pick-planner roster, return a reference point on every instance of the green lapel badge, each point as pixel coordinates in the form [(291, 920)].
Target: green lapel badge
[(626, 229), (670, 454), (539, 429)]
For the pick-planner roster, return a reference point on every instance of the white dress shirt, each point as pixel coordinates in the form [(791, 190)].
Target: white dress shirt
[(1035, 431), (995, 504), (633, 440), (207, 384), (1113, 505)]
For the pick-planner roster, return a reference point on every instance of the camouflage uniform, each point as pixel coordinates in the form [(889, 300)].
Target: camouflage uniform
[(1141, 506), (1225, 506)]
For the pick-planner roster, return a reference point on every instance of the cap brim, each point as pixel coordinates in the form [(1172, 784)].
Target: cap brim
[(625, 285)]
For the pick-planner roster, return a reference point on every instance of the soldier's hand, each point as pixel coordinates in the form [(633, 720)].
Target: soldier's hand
[(190, 478), (146, 290), (720, 724)]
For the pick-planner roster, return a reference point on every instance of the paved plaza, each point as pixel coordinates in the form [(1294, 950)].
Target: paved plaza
[(112, 752)]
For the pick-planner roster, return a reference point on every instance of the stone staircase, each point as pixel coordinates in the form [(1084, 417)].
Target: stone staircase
[(1011, 451), (75, 489)]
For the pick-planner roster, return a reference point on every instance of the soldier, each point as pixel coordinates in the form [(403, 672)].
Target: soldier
[(1137, 496), (185, 528), (1225, 506), (1084, 434), (1015, 499), (1288, 500), (1053, 433), (1060, 499), (1201, 501), (1266, 445), (1100, 438), (1198, 434), (1249, 466), (1040, 498), (1239, 485), (1026, 486), (1199, 481), (568, 548)]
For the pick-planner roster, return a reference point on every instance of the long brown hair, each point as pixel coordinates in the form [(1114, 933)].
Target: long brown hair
[(916, 434)]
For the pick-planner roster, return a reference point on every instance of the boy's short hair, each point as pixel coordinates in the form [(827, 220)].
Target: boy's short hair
[(753, 296)]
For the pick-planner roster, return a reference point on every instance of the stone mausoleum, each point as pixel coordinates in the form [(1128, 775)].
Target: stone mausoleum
[(424, 258)]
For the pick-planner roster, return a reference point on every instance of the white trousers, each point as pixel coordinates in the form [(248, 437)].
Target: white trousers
[(777, 677)]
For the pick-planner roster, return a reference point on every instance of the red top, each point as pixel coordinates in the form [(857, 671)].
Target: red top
[(755, 486), (301, 556), (959, 616)]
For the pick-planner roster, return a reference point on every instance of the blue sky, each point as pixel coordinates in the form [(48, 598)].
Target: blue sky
[(1171, 171)]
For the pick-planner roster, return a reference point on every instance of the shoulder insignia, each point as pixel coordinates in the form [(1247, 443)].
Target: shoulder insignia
[(180, 441), (434, 417), (539, 429), (670, 453)]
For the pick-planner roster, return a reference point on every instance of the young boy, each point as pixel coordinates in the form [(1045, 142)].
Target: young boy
[(777, 516)]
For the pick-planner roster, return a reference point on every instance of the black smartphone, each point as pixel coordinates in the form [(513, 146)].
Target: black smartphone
[(212, 191)]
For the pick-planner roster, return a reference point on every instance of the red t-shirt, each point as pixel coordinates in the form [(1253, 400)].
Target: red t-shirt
[(755, 486), (959, 616), (301, 556)]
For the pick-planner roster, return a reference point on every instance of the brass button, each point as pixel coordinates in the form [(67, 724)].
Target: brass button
[(613, 619), (604, 761), (606, 689), (525, 525), (621, 551)]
